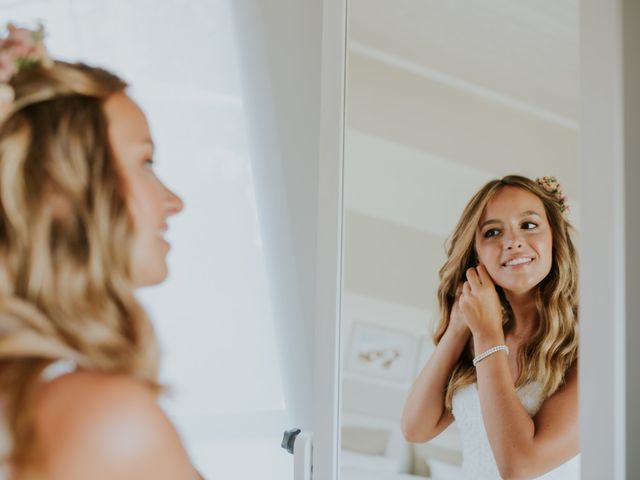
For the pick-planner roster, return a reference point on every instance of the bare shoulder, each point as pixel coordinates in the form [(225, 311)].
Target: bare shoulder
[(96, 425)]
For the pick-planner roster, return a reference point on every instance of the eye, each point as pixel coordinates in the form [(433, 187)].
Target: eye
[(529, 225), (491, 233), (149, 163)]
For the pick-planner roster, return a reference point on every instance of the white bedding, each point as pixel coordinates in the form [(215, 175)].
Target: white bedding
[(373, 450), (360, 466), (348, 473)]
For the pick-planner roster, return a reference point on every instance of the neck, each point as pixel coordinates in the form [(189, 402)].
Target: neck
[(525, 312)]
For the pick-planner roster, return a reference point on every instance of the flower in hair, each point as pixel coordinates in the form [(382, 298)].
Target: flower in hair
[(551, 185), (21, 49)]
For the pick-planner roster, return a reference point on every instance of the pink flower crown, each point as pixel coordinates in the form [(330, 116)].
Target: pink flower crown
[(21, 49), (551, 185)]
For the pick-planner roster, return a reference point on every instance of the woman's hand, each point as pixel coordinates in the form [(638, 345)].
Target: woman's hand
[(480, 304)]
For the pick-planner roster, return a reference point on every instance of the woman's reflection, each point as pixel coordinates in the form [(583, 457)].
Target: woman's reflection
[(505, 364)]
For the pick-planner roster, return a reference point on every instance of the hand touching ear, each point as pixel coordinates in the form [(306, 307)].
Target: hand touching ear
[(479, 302)]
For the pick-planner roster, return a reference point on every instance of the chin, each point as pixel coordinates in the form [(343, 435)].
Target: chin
[(517, 288), (151, 276), (155, 281), (159, 277)]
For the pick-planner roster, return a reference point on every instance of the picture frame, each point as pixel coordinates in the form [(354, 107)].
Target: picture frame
[(381, 352)]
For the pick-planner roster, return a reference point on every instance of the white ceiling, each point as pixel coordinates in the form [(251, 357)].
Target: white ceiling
[(526, 51)]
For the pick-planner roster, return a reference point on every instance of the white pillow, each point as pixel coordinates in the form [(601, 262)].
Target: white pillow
[(370, 463), (443, 471), (372, 441)]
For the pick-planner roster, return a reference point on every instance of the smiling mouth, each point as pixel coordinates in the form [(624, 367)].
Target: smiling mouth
[(161, 234), (517, 262)]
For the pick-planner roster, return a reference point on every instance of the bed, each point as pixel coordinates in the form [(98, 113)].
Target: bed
[(375, 449)]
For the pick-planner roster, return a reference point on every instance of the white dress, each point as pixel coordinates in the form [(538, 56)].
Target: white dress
[(477, 458)]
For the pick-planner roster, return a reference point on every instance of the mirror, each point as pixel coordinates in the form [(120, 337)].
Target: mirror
[(441, 97)]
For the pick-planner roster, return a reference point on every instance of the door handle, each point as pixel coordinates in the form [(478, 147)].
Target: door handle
[(300, 444)]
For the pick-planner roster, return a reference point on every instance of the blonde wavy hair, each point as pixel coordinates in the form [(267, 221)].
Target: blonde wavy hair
[(553, 347), (66, 288)]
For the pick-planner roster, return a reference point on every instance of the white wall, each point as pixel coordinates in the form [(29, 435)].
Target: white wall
[(280, 59)]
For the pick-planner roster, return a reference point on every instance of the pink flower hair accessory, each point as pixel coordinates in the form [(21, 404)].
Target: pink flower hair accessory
[(551, 185), (21, 49)]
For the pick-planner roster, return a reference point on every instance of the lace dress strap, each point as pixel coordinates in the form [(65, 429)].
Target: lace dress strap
[(57, 369)]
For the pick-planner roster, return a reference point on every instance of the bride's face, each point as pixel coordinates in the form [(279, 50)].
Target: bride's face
[(513, 240), (150, 202)]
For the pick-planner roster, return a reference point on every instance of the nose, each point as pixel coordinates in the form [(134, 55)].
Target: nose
[(173, 203), (513, 242)]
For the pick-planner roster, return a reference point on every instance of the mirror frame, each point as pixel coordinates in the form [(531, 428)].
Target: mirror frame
[(326, 372), (609, 391)]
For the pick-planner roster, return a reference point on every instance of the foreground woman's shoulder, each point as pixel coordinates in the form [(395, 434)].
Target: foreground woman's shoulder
[(96, 425)]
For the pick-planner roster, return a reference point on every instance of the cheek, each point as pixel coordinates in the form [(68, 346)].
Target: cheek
[(141, 202), (545, 248), (485, 254), (489, 256)]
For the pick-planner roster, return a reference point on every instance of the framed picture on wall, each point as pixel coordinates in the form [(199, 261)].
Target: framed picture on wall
[(381, 352)]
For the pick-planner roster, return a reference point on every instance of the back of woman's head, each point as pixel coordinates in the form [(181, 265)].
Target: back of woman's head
[(55, 169), (65, 237)]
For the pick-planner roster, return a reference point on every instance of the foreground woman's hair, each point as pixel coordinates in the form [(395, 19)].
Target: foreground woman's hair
[(65, 243)]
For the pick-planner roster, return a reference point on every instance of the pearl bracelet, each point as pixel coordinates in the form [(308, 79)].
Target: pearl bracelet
[(491, 351)]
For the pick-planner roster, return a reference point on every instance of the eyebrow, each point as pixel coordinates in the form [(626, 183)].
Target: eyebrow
[(523, 214)]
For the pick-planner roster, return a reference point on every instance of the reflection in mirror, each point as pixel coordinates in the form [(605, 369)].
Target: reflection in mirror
[(441, 98)]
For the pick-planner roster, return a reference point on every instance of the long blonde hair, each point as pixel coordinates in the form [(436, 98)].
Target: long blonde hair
[(553, 347), (65, 242)]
